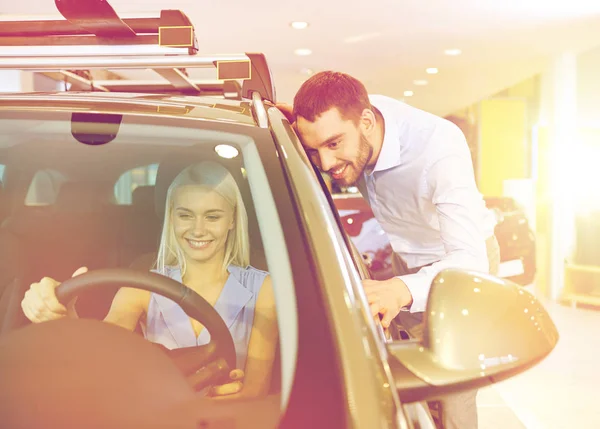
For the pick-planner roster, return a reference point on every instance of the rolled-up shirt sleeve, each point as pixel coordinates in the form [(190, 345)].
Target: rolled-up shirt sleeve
[(451, 184)]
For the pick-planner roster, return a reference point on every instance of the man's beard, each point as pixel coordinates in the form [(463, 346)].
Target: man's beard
[(365, 152)]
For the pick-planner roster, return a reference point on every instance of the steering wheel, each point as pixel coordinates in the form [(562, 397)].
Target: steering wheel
[(202, 365)]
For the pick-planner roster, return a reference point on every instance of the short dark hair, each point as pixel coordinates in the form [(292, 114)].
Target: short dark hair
[(328, 89)]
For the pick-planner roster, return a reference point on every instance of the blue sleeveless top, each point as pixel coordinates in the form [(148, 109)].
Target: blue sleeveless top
[(167, 323)]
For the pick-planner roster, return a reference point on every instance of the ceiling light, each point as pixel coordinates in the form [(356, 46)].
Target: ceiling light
[(431, 70), (452, 52), (420, 82), (408, 93), (302, 52), (226, 151), (299, 25)]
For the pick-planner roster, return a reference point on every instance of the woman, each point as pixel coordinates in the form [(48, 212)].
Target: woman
[(204, 245)]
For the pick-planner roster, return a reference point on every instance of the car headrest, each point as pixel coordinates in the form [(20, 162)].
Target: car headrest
[(142, 199), (81, 197)]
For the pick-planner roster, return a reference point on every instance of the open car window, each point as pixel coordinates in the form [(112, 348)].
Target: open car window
[(325, 183), (355, 256)]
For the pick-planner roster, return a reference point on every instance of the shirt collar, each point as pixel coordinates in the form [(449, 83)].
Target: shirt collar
[(389, 156)]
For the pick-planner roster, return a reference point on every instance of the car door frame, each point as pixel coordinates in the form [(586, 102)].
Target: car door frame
[(362, 355)]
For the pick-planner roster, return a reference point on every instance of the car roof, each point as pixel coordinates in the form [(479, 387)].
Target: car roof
[(193, 107)]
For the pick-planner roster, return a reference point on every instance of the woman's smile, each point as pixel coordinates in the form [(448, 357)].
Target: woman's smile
[(198, 244)]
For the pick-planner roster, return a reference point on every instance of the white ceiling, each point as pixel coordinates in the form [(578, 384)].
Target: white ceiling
[(387, 43)]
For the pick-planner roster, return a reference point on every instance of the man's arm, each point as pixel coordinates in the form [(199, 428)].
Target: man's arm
[(451, 185)]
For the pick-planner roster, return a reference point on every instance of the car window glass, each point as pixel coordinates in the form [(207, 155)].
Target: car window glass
[(93, 221), (44, 187), (131, 179)]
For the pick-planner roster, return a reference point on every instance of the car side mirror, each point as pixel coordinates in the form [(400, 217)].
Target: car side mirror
[(478, 330)]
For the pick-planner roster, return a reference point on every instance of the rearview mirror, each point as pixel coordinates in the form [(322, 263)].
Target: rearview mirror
[(478, 330), (95, 129)]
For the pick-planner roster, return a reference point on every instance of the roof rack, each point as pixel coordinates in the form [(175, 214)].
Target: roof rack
[(93, 37)]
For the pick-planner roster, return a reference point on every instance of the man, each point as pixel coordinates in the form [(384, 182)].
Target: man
[(416, 171)]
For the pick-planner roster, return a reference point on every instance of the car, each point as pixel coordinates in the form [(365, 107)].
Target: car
[(366, 233), (85, 177), (516, 240), (515, 236)]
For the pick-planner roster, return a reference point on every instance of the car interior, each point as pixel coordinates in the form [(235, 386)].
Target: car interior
[(84, 224), (65, 205)]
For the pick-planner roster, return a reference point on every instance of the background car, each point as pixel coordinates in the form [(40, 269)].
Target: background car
[(516, 240), (514, 234)]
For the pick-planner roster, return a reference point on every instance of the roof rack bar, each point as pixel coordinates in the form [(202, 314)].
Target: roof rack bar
[(95, 22), (84, 40), (261, 81), (93, 36), (109, 62), (78, 82), (203, 87), (61, 27), (179, 80), (232, 90), (25, 51)]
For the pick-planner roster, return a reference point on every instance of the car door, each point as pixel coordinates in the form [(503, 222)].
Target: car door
[(362, 357)]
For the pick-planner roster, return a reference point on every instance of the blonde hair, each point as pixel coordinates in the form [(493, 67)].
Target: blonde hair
[(216, 178)]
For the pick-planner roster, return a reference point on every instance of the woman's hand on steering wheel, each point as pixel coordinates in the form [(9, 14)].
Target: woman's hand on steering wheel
[(49, 300), (231, 388), (40, 303)]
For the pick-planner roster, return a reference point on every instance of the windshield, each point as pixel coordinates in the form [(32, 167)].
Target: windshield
[(172, 195)]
